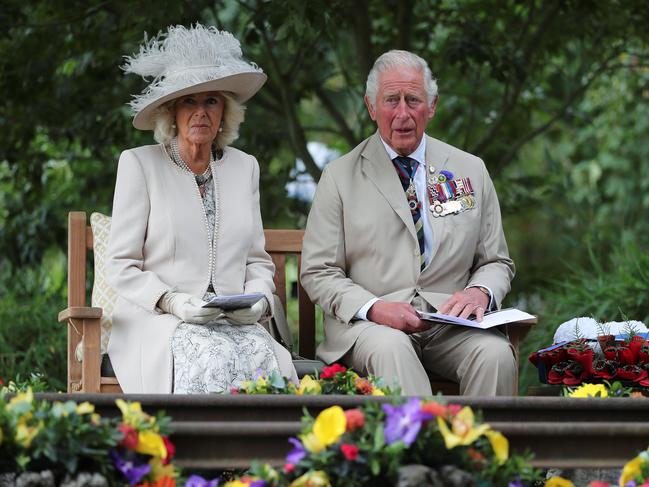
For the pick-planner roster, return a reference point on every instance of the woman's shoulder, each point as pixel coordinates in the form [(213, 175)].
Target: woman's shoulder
[(236, 154), (145, 156), (145, 151)]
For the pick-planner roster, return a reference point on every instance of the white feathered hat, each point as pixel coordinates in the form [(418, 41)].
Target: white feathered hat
[(190, 60)]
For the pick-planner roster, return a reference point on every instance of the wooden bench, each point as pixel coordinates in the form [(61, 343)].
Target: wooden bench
[(84, 322)]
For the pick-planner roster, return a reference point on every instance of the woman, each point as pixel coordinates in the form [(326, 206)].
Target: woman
[(187, 227)]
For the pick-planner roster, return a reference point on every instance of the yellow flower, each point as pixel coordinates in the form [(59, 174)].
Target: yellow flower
[(158, 470), (312, 443), (21, 401), (462, 430), (590, 390), (330, 425), (151, 443), (236, 483), (312, 479), (499, 444), (308, 385), (61, 410), (25, 434), (95, 419), (631, 470), (131, 412), (261, 382), (85, 408), (378, 392), (558, 482)]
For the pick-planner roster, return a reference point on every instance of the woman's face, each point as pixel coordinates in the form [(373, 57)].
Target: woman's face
[(198, 116)]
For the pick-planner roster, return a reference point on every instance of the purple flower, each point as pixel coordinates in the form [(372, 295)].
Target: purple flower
[(448, 174), (515, 483), (404, 422), (297, 453), (130, 467), (198, 481), (258, 483)]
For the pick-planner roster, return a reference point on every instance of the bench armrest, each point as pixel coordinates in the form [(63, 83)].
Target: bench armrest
[(80, 312)]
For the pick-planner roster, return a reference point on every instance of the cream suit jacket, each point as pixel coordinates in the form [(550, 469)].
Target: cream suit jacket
[(360, 240), (159, 242)]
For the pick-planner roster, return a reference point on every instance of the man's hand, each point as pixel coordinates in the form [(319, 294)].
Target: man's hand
[(471, 301), (401, 316)]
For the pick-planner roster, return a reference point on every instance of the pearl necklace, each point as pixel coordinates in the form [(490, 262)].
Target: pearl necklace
[(201, 179)]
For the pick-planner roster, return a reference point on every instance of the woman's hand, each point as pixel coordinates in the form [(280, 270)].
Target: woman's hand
[(247, 316), (188, 308)]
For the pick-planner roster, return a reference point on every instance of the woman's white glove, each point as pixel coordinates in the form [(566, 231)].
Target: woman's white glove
[(247, 316), (188, 308)]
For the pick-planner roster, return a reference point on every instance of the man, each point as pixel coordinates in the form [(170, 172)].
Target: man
[(406, 222)]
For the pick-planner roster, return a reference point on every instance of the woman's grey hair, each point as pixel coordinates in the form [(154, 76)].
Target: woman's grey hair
[(233, 114), (399, 59)]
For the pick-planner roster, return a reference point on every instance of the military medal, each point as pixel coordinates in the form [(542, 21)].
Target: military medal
[(411, 195), (448, 196)]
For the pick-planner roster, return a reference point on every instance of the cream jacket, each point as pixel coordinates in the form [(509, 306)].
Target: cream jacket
[(159, 242), (360, 240)]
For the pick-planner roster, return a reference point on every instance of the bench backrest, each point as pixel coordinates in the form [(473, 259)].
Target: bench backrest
[(279, 244)]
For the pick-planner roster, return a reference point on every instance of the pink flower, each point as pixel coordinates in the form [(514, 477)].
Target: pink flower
[(453, 409), (171, 450), (355, 419), (289, 467), (350, 451), (598, 483), (332, 370), (434, 408), (130, 439)]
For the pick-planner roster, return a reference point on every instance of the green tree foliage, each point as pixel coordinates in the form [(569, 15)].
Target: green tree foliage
[(552, 95)]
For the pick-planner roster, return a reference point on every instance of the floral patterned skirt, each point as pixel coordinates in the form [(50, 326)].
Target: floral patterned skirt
[(219, 356)]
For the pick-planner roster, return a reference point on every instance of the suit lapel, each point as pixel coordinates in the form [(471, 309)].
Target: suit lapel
[(436, 157), (378, 167)]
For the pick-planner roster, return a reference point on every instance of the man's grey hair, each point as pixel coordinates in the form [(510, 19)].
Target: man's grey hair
[(399, 59), (233, 114)]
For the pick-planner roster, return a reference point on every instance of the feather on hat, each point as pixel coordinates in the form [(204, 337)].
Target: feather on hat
[(183, 61)]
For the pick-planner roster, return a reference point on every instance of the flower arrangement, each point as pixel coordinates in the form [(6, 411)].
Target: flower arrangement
[(143, 455), (605, 389), (370, 445), (634, 474), (574, 362), (67, 439), (334, 379)]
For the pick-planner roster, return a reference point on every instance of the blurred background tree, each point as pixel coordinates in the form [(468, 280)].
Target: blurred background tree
[(552, 95)]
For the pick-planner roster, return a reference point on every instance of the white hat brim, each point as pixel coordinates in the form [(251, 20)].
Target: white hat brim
[(242, 85)]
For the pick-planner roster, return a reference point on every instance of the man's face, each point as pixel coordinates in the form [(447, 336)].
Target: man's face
[(401, 110)]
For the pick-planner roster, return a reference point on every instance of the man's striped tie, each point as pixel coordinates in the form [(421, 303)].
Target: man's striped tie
[(406, 168)]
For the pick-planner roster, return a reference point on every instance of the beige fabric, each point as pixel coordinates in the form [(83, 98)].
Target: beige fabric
[(360, 240), (158, 242), (481, 361)]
